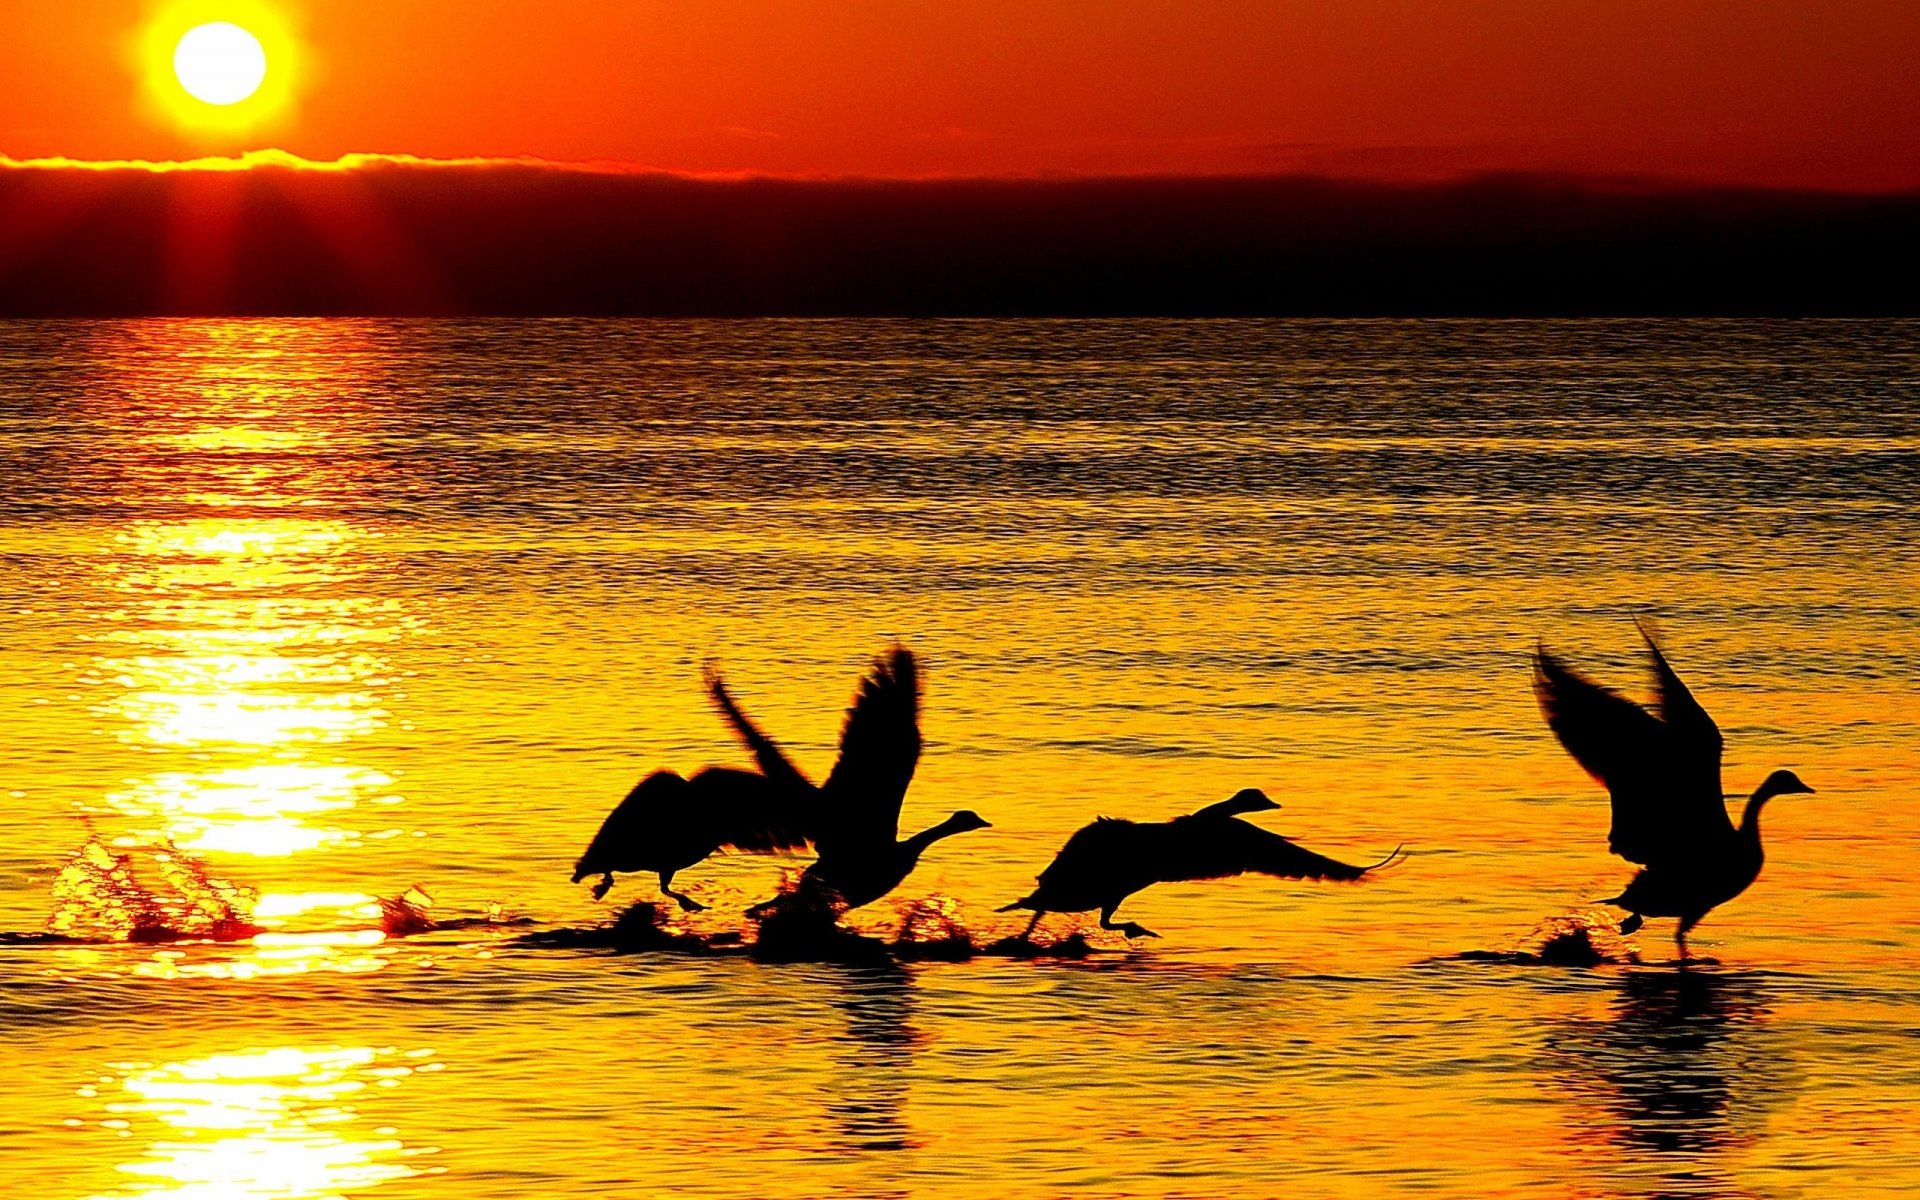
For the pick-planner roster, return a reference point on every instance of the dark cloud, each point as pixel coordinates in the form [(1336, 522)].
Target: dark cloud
[(389, 235)]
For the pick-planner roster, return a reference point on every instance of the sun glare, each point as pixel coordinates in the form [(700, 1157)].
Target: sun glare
[(221, 71), (220, 63)]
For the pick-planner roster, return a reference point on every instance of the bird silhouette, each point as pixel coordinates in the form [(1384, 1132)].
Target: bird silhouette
[(853, 819), (667, 824), (1109, 860), (1662, 769)]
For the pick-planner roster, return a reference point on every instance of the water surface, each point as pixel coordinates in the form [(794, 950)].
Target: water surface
[(328, 610)]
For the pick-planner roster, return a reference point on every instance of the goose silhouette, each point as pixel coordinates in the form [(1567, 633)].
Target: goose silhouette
[(1662, 770), (667, 824), (853, 819), (1109, 860)]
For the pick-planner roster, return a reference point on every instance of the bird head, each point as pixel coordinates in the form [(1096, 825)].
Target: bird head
[(1780, 783), (965, 820), (1246, 800)]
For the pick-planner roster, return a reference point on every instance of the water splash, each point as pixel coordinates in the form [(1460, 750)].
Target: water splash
[(639, 927), (407, 913), (931, 927), (1582, 938), (147, 894)]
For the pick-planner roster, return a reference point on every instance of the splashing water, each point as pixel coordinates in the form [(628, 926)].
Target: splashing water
[(99, 895), (642, 926), (931, 928), (407, 913), (1583, 938), (932, 918)]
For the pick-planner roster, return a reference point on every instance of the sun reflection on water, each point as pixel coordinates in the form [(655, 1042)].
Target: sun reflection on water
[(281, 1122), (341, 951), (240, 645), (258, 810)]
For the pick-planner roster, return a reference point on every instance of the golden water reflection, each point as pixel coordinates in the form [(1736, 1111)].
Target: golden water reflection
[(281, 1122), (263, 809), (269, 954), (244, 642), (240, 642)]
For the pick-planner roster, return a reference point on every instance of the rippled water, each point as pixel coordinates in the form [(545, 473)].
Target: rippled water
[(297, 616)]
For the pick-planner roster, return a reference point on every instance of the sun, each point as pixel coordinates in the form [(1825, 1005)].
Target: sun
[(220, 63), (225, 73)]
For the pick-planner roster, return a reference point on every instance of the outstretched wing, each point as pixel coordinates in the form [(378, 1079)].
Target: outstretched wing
[(879, 748), (666, 818), (1665, 805), (654, 813), (1216, 847), (767, 755), (1695, 739), (746, 811)]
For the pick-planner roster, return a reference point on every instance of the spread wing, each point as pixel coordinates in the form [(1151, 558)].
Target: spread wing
[(879, 748), (667, 815), (1663, 775), (747, 811), (1216, 847), (1697, 743), (772, 761)]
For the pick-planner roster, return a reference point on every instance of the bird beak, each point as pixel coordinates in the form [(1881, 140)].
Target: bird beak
[(1804, 788)]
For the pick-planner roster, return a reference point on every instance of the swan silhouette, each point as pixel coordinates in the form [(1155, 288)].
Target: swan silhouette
[(667, 824), (853, 819), (1109, 860), (1662, 770)]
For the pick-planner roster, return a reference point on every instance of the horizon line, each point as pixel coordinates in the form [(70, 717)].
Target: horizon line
[(276, 159)]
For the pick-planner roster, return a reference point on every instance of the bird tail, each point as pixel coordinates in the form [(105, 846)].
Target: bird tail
[(1023, 903)]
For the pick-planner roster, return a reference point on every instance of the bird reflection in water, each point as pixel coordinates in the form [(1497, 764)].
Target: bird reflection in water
[(872, 1058), (283, 1121), (1687, 1067)]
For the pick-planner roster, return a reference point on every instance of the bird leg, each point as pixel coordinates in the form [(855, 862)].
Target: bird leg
[(1127, 927), (1680, 936), (1026, 935), (1633, 922), (605, 885), (687, 903)]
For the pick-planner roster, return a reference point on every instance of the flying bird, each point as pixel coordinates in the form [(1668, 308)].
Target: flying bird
[(667, 824), (853, 819), (1109, 860), (1662, 769)]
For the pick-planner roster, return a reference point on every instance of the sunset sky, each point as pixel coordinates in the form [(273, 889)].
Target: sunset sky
[(1770, 92)]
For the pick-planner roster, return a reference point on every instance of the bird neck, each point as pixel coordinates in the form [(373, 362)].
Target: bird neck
[(1750, 817), (918, 843)]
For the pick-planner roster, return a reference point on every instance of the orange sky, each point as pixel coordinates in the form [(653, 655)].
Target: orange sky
[(1797, 92)]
